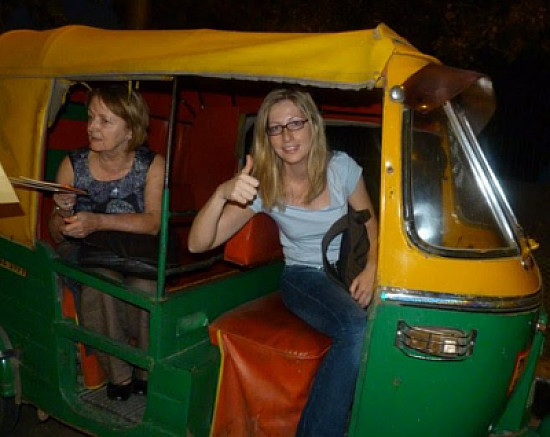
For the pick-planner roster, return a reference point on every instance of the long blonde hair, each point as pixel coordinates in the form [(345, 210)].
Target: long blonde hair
[(268, 166)]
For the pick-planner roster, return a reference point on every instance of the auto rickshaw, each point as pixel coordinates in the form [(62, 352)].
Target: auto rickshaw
[(456, 324)]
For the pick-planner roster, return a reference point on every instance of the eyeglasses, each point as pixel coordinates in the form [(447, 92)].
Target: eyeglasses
[(277, 129)]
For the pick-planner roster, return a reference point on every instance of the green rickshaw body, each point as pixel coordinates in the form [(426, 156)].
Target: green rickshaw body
[(456, 325)]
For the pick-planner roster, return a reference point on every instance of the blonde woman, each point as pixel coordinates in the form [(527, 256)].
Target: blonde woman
[(294, 177)]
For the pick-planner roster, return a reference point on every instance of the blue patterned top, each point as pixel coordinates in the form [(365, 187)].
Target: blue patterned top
[(124, 195)]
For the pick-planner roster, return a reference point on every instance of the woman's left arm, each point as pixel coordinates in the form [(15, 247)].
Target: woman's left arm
[(362, 286), (84, 223)]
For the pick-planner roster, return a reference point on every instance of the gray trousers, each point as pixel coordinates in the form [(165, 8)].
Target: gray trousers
[(118, 320)]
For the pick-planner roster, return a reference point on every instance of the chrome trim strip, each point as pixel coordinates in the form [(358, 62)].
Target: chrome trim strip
[(460, 302), (470, 147)]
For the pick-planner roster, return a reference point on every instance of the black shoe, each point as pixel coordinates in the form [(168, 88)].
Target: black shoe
[(139, 387), (119, 392)]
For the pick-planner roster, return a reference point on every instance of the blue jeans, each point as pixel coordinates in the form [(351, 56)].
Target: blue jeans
[(314, 297)]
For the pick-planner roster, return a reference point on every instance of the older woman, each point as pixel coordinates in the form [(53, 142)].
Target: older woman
[(295, 179), (124, 182)]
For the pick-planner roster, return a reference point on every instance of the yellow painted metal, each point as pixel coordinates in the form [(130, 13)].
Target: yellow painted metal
[(403, 265), (22, 122)]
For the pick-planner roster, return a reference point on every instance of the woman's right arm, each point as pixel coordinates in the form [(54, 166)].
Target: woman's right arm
[(225, 212)]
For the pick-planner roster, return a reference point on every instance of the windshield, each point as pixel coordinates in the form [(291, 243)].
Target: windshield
[(452, 205)]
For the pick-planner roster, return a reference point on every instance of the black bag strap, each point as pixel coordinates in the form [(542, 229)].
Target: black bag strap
[(337, 228)]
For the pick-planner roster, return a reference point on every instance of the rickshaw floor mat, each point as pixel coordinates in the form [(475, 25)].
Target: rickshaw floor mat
[(129, 412)]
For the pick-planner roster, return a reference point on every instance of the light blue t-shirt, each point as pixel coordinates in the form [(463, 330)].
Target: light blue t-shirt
[(301, 230)]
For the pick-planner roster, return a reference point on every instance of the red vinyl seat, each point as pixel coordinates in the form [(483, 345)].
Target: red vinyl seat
[(269, 356)]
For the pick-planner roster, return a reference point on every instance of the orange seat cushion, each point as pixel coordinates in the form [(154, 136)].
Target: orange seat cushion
[(256, 242), (269, 360)]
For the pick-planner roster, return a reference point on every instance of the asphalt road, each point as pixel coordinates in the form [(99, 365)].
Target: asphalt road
[(30, 426)]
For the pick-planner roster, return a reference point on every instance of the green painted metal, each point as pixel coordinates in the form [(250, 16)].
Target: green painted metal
[(53, 159), (7, 366), (399, 395), (417, 397), (7, 380), (74, 111), (135, 296), (183, 364), (544, 427), (163, 243), (517, 413)]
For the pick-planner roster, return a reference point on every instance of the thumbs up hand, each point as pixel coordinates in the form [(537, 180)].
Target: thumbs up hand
[(242, 188), (247, 169)]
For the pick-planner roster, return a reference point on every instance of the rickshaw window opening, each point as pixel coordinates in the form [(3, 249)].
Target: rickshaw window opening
[(451, 206), (500, 198), (461, 127)]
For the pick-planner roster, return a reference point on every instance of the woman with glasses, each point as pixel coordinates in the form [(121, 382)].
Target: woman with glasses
[(294, 177)]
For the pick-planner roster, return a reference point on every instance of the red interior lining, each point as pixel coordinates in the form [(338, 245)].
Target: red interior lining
[(203, 156)]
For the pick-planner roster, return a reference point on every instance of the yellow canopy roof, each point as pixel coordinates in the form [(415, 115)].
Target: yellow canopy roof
[(354, 59), (30, 60)]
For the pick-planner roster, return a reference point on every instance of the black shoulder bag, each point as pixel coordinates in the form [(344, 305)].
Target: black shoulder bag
[(354, 247)]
